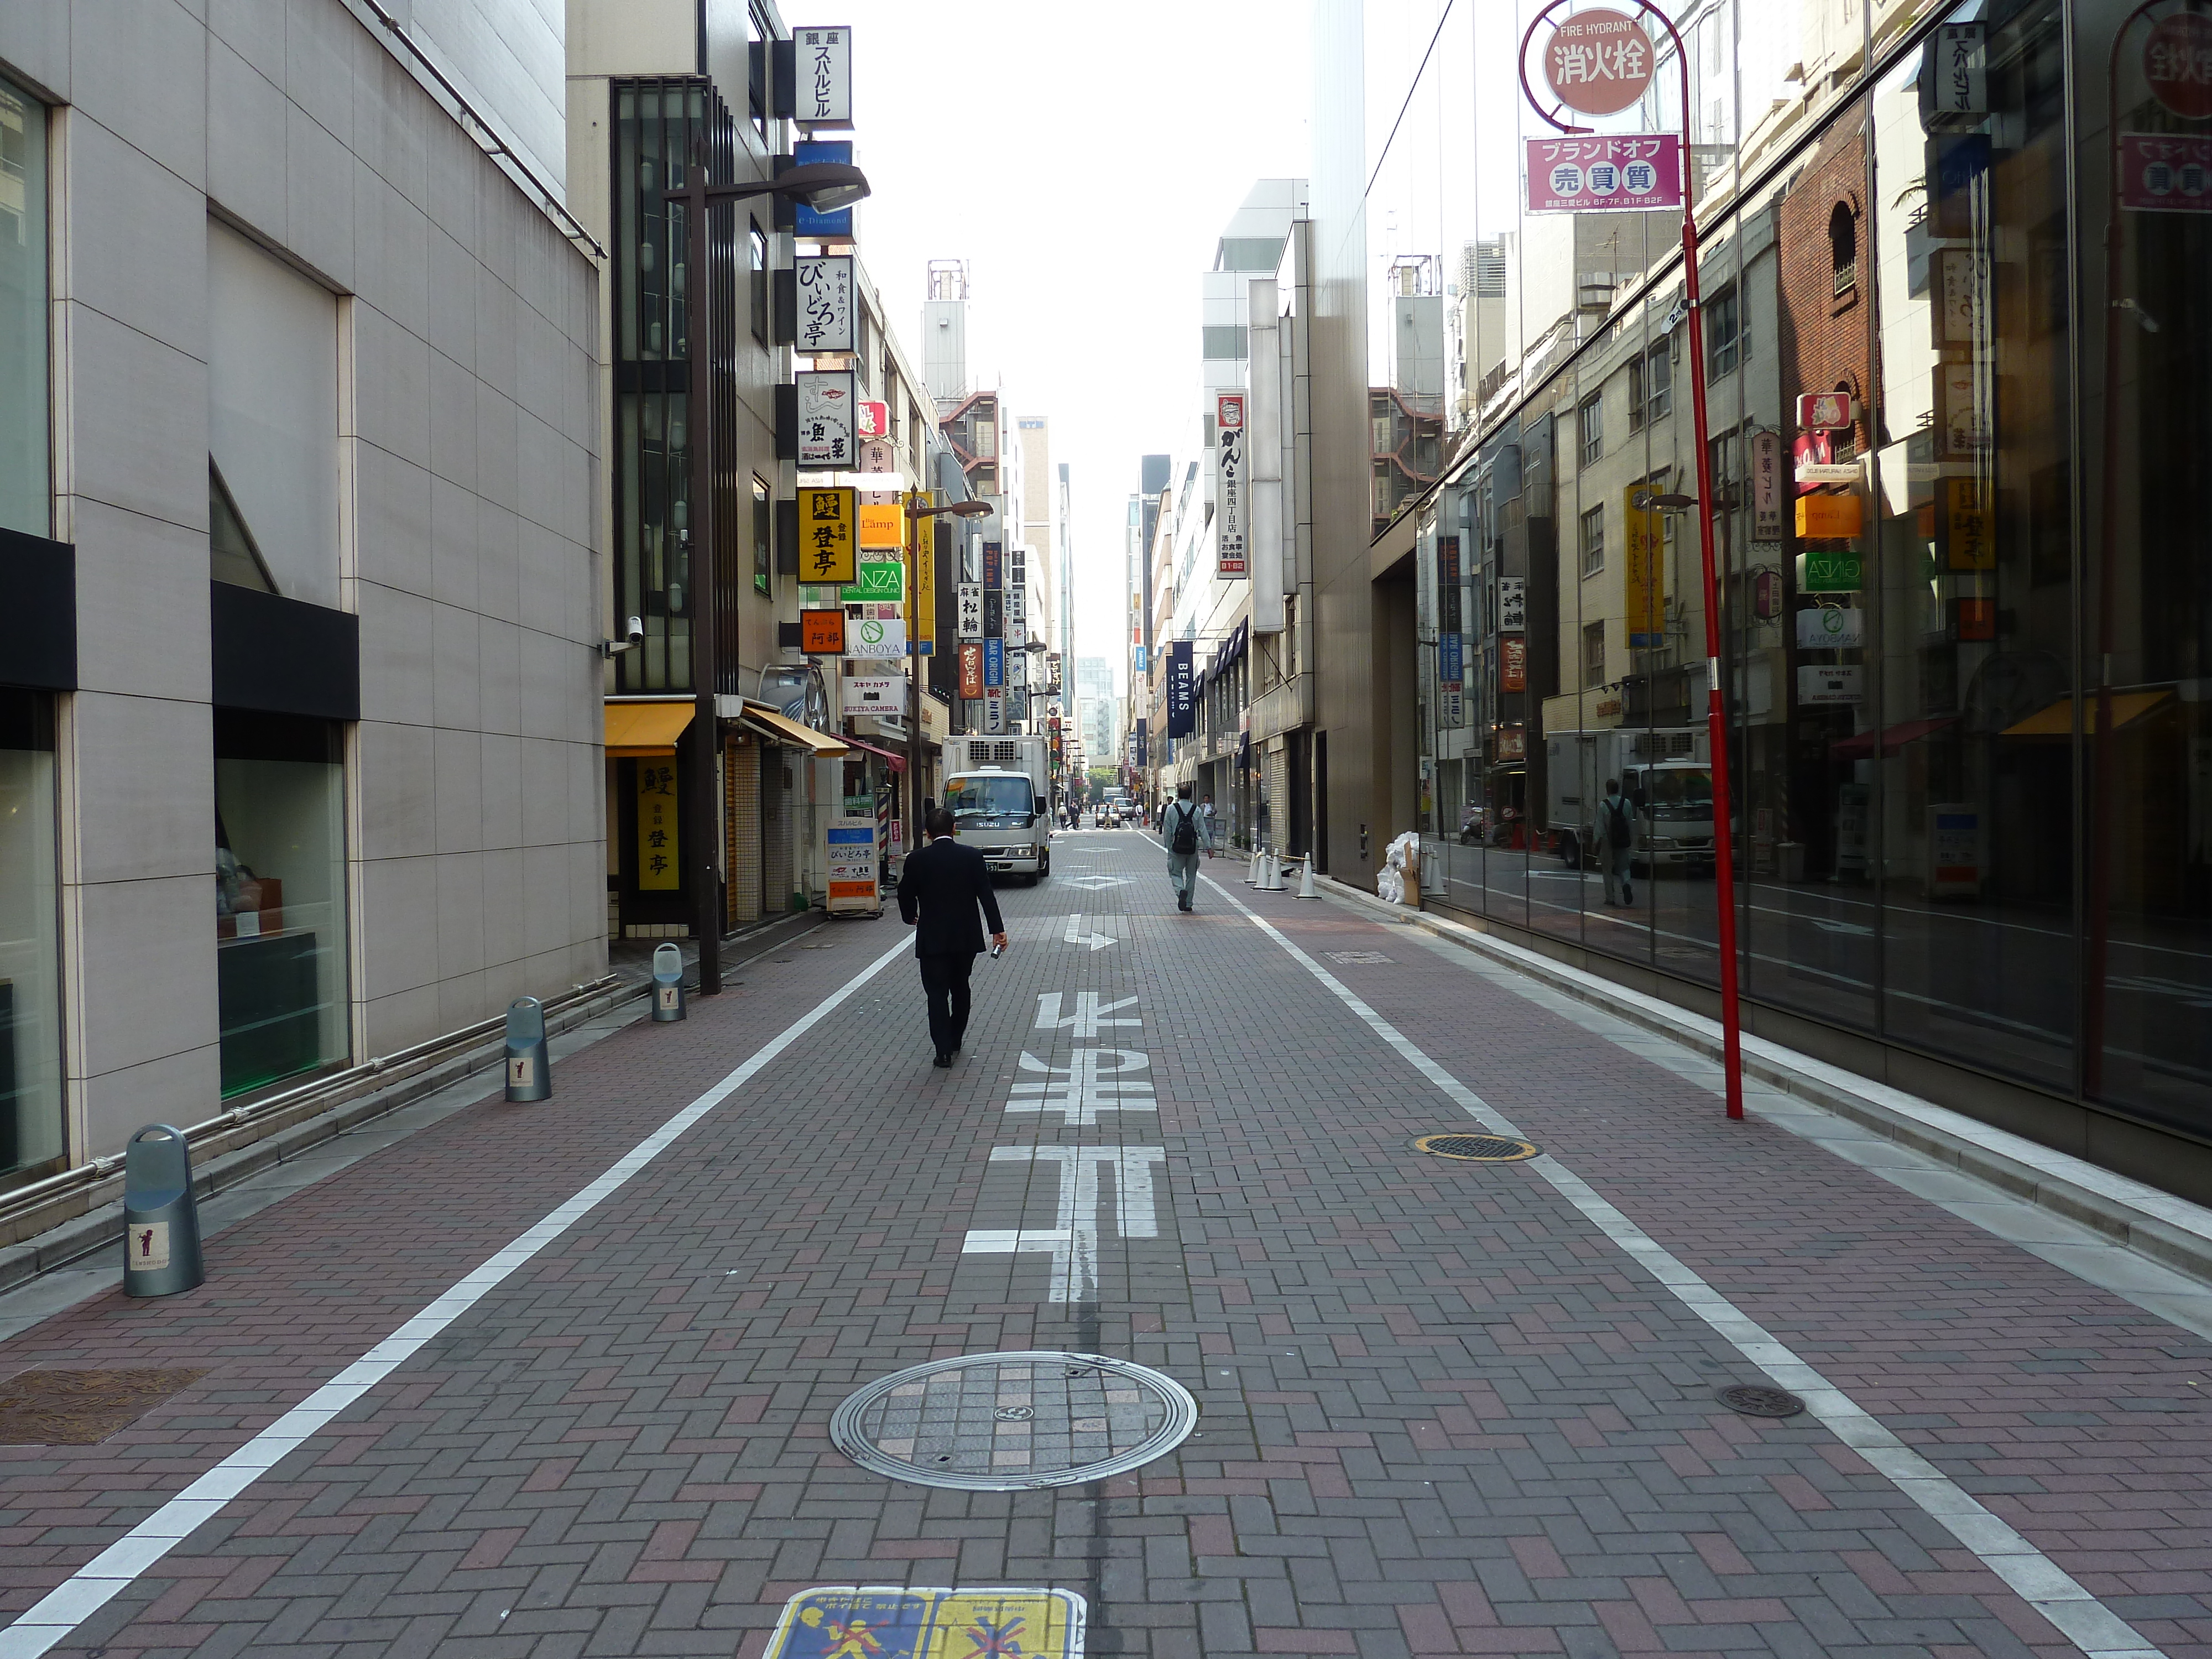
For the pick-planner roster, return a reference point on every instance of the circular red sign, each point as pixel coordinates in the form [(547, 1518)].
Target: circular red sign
[(2178, 63), (1598, 62)]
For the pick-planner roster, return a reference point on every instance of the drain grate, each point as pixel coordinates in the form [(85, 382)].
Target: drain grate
[(1011, 1422), (81, 1408), (1476, 1149), (1357, 955), (1758, 1400)]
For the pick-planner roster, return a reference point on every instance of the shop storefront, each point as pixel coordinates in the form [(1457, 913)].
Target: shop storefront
[(1966, 546)]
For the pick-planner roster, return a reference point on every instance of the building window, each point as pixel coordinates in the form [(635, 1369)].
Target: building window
[(1593, 541), (280, 896), (756, 251), (1590, 427), (1651, 388), (23, 401), (31, 1114), (1225, 342), (1594, 654), (1843, 248), (763, 536), (1726, 339)]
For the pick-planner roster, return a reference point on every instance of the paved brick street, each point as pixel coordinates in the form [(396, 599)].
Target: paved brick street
[(1442, 1409)]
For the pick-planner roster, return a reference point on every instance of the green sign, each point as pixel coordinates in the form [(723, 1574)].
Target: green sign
[(1827, 570), (885, 580)]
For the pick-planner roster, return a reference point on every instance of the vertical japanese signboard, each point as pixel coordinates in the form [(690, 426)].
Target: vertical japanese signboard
[(921, 591), (971, 611), (1766, 485), (1968, 542), (657, 870), (1513, 663), (829, 543), (837, 222), (994, 665), (825, 76), (994, 711), (1229, 559), (828, 433), (825, 303), (1451, 640), (971, 668), (1512, 603), (1183, 701), (1646, 569), (849, 864)]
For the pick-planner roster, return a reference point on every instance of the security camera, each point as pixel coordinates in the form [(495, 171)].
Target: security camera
[(633, 637)]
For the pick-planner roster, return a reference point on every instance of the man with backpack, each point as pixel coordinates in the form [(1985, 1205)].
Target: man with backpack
[(1183, 831), (1616, 842)]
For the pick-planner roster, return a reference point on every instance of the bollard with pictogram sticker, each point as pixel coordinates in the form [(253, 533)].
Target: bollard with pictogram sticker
[(668, 984), (160, 1216), (529, 1069)]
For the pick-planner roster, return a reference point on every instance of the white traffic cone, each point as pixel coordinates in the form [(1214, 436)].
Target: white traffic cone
[(1274, 875), (1305, 880), (1252, 872)]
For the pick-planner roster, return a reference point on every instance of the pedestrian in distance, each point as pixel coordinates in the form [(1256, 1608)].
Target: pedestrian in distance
[(939, 893), (1210, 835), (1183, 829), (1616, 842)]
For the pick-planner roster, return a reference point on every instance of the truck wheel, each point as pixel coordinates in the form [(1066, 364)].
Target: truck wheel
[(1029, 880), (1571, 850), (1045, 864)]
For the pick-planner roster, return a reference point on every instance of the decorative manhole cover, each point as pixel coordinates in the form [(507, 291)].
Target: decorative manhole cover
[(1357, 955), (82, 1408), (1476, 1149), (1009, 1422), (1758, 1399)]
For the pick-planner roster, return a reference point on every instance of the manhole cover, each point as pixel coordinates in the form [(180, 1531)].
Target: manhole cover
[(1357, 955), (82, 1408), (1758, 1399), (1476, 1149), (1009, 1422)]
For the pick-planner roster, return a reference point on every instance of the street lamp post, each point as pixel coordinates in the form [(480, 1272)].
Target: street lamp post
[(823, 186), (917, 515)]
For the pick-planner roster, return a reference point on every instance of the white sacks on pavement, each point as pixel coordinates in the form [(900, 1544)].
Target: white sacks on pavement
[(1401, 861)]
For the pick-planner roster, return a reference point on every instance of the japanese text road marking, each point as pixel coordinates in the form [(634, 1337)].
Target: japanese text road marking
[(2040, 1582), (1089, 1013), (1086, 1085), (1072, 1239), (91, 1586)]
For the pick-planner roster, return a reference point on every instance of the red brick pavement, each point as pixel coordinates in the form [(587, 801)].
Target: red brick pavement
[(1439, 1414)]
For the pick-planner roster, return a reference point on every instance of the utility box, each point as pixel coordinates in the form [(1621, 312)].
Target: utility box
[(160, 1216), (668, 984), (529, 1070)]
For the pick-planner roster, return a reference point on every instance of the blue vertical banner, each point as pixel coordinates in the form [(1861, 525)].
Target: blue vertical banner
[(808, 222), (994, 665), (994, 566), (1450, 658), (1182, 702)]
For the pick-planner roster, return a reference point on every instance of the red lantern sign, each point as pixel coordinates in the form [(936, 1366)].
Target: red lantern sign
[(1598, 62)]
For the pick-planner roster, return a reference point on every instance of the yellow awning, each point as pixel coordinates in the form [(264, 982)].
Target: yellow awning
[(636, 730), (2058, 720), (779, 729)]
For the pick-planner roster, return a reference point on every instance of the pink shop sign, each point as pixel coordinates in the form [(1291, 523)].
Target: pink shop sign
[(1582, 175), (2166, 172)]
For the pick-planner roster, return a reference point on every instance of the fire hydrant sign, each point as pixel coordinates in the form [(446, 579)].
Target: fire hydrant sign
[(849, 865), (1577, 175), (1598, 62)]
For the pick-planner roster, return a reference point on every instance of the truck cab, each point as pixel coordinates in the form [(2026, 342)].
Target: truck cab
[(1664, 776), (1001, 806)]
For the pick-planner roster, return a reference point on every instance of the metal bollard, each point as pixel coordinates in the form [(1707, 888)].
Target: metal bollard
[(529, 1069), (160, 1216), (667, 983)]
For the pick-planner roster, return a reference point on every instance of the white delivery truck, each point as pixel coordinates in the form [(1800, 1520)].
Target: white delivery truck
[(1665, 774), (998, 790)]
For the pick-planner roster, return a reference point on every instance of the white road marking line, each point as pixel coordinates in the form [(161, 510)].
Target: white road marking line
[(2084, 1620), (97, 1583), (1086, 1085), (1089, 1013), (1072, 1239), (1075, 935)]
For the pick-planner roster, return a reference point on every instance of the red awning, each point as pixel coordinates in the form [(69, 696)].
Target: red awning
[(1859, 746), (897, 761)]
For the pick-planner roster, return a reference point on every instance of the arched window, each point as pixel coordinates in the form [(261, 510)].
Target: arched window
[(1843, 247)]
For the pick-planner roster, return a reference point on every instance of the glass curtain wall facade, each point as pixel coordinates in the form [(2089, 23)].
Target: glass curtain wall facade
[(1966, 597), (30, 916), (656, 124)]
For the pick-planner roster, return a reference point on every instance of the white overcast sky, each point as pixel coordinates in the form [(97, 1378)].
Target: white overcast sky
[(1082, 158)]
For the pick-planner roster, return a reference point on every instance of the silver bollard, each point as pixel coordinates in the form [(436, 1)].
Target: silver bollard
[(529, 1069), (667, 983), (160, 1216)]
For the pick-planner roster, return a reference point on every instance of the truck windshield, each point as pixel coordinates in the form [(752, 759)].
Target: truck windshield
[(991, 797), (1686, 787)]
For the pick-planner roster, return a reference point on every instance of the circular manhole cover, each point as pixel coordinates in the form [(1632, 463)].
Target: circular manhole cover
[(1009, 1422), (1758, 1399), (1476, 1149)]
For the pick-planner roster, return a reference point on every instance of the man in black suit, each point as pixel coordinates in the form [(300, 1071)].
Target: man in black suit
[(939, 889)]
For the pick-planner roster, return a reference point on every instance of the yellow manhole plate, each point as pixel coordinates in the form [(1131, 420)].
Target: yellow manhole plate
[(1476, 1149)]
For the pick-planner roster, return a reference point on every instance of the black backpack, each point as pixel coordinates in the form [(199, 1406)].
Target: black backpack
[(1617, 833), (1185, 839)]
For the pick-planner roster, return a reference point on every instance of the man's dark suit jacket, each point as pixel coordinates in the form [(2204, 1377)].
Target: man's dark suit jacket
[(943, 883)]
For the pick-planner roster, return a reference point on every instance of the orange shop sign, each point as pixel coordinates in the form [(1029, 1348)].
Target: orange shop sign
[(1512, 663), (1825, 517), (822, 633), (971, 668)]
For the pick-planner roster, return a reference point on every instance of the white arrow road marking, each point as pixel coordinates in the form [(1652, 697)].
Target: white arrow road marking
[(1075, 934), (1089, 1013)]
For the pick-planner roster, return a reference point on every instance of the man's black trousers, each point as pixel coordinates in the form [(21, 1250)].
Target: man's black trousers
[(945, 979)]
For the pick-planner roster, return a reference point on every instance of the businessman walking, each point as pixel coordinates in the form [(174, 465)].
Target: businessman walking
[(939, 892)]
